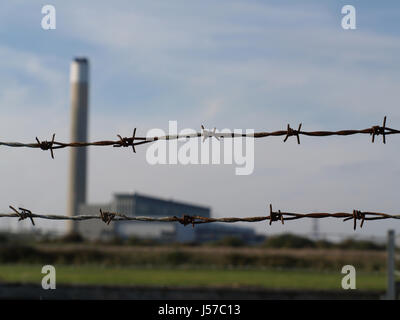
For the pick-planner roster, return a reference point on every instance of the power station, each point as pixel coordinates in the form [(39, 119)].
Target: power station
[(128, 204)]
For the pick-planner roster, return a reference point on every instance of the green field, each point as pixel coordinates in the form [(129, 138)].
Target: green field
[(91, 274)]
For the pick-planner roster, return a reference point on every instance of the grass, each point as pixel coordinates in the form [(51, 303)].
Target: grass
[(277, 279), (205, 257)]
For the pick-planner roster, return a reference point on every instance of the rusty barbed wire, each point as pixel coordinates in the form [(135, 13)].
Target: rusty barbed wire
[(273, 216), (130, 141)]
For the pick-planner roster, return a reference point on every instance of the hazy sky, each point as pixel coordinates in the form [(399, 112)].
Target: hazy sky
[(224, 64)]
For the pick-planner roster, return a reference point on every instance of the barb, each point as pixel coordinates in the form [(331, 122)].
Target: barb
[(107, 217), (25, 213), (46, 145), (131, 141), (279, 215), (377, 130), (291, 132), (209, 134), (185, 220), (126, 142)]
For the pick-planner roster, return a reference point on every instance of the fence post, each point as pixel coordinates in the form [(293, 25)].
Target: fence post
[(391, 294)]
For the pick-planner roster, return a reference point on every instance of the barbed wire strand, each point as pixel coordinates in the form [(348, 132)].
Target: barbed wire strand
[(130, 141), (273, 216)]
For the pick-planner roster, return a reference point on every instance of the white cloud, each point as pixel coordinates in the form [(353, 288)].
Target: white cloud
[(212, 108), (307, 64)]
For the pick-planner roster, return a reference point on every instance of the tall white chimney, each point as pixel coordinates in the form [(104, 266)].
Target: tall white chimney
[(79, 79)]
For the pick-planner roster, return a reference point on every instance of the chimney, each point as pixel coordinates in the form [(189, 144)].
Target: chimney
[(79, 79)]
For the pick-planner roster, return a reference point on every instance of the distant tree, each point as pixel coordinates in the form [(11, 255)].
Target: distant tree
[(289, 240), (229, 241), (72, 237), (360, 245), (324, 244)]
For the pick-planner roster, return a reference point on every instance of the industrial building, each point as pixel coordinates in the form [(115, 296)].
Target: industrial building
[(143, 205)]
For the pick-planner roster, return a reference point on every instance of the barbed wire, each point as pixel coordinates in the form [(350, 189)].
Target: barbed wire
[(130, 141), (273, 216)]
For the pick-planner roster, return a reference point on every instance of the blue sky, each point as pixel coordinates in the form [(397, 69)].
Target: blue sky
[(235, 64)]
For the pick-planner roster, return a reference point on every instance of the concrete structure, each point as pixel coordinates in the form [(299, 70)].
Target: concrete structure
[(142, 205), (79, 78), (218, 231)]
